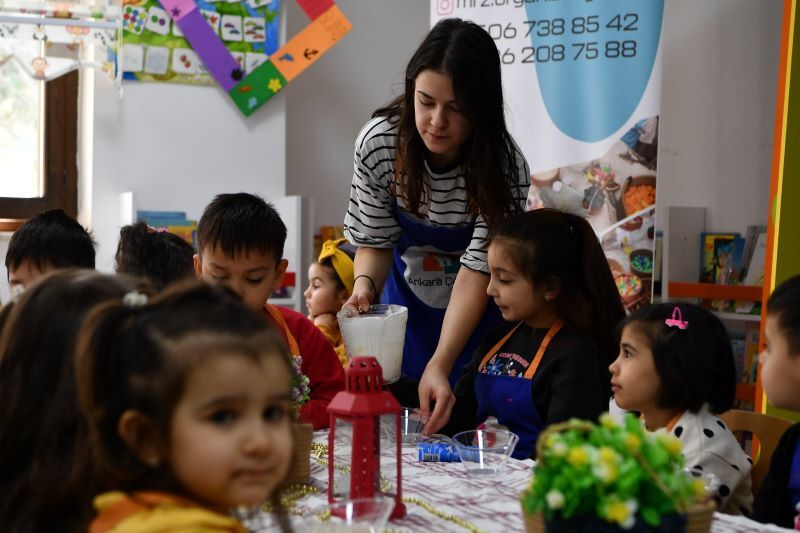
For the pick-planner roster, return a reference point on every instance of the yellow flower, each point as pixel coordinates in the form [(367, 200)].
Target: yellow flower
[(672, 444), (578, 456), (608, 455), (607, 421), (623, 513), (633, 443), (698, 487), (274, 85)]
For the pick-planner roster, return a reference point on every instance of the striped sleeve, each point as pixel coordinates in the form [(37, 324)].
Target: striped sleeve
[(369, 220), (474, 257)]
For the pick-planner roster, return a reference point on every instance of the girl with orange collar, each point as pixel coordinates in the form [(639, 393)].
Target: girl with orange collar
[(550, 280)]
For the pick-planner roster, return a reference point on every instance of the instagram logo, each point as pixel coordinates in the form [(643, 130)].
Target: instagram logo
[(444, 7)]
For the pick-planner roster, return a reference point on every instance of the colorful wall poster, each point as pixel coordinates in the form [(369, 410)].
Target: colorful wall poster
[(155, 48), (582, 81)]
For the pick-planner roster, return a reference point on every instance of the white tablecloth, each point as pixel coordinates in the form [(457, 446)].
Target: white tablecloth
[(486, 503)]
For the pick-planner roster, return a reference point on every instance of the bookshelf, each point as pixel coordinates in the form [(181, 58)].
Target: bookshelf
[(711, 291), (297, 212)]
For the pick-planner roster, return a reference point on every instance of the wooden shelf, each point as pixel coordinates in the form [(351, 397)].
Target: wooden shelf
[(711, 291), (746, 392), (741, 317)]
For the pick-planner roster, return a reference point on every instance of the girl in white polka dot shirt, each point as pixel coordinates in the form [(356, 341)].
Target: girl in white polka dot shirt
[(676, 368)]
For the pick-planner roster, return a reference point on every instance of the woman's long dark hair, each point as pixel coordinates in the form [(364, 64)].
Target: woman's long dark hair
[(465, 52), (550, 246), (46, 483)]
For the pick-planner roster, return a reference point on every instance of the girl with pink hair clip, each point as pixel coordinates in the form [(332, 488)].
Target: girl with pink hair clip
[(675, 367)]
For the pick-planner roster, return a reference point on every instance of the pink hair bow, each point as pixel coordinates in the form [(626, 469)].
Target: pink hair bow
[(677, 320)]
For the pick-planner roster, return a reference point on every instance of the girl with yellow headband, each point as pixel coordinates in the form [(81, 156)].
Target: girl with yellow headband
[(330, 284)]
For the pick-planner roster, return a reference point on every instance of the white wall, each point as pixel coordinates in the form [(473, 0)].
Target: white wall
[(718, 109), (176, 147), (327, 104)]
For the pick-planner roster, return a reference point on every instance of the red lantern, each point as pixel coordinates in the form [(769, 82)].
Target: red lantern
[(356, 438)]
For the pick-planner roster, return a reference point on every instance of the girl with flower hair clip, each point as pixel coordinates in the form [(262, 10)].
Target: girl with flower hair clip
[(675, 367)]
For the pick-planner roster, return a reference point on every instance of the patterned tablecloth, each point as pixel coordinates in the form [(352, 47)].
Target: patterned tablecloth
[(436, 492)]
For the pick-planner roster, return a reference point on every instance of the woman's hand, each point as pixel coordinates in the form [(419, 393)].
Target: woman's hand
[(361, 298), (371, 266), (435, 386)]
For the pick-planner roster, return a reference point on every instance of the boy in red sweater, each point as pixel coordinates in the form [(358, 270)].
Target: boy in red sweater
[(240, 240)]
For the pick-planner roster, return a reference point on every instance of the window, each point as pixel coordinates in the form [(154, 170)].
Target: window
[(38, 145)]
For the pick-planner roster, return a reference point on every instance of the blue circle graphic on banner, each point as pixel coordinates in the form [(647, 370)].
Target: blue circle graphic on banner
[(593, 60)]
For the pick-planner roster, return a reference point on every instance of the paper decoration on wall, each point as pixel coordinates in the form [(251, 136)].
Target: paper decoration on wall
[(247, 27), (250, 90), (50, 39)]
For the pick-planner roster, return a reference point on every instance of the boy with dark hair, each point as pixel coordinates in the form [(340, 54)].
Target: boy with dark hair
[(49, 241), (778, 499), (240, 240)]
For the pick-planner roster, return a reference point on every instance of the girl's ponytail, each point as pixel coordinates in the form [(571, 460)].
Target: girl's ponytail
[(597, 283), (103, 365)]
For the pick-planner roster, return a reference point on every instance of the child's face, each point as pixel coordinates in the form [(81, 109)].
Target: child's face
[(253, 276), (230, 437), (25, 274), (513, 292), (323, 295), (780, 372), (438, 117), (634, 378)]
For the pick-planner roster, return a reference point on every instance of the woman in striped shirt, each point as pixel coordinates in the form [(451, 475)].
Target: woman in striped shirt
[(435, 172)]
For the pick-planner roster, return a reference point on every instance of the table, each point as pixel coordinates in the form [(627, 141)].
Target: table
[(434, 490)]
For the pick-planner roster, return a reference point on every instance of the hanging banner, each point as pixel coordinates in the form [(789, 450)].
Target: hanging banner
[(582, 81), (156, 49)]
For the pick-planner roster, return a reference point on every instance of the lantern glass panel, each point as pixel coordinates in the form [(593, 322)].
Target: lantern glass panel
[(388, 455), (342, 457)]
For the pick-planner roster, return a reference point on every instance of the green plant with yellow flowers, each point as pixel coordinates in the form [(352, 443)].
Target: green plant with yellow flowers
[(614, 472)]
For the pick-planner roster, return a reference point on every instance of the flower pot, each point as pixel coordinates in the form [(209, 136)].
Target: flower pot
[(696, 520), (300, 469)]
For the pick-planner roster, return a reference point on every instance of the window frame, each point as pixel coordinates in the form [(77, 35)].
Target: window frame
[(60, 157)]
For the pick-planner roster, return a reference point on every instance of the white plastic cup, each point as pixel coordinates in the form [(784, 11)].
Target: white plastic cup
[(379, 332)]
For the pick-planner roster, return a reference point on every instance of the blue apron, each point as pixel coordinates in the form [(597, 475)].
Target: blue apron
[(794, 478), (426, 261), (510, 398)]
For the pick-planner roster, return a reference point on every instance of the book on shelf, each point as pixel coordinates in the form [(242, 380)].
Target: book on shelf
[(751, 349), (175, 222), (720, 257), (758, 257)]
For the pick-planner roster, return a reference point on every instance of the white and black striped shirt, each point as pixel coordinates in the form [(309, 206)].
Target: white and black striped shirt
[(369, 220)]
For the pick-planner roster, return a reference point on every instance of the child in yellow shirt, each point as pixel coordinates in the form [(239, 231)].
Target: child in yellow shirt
[(330, 283)]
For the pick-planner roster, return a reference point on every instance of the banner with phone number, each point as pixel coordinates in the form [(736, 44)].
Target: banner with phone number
[(582, 82)]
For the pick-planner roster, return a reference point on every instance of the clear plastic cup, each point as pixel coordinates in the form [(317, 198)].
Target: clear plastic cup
[(379, 332), (485, 452), (411, 424)]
